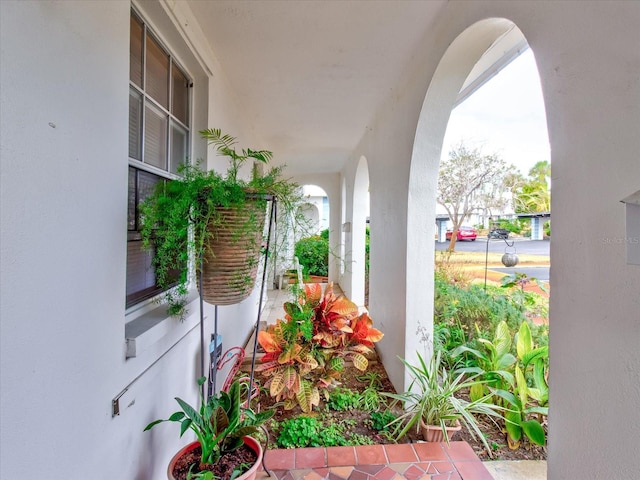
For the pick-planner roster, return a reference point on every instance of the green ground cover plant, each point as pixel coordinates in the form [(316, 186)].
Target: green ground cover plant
[(321, 431), (342, 399)]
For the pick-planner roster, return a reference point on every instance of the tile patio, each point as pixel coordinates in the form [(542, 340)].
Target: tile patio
[(424, 461)]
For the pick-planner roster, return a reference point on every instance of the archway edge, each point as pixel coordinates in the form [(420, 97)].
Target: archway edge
[(446, 82), (359, 204)]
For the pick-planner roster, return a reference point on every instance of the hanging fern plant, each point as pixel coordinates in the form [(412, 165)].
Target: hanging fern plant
[(188, 215)]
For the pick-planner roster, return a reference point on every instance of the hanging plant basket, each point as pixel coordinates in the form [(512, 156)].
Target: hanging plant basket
[(231, 257), (218, 218)]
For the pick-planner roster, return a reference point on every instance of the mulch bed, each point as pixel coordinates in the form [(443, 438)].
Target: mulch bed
[(495, 437)]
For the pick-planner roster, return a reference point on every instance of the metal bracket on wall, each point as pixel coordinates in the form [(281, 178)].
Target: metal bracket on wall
[(115, 403)]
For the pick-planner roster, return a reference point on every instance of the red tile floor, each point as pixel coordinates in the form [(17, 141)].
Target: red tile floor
[(424, 461)]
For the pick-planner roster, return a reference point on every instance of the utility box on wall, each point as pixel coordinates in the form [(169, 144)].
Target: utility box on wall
[(632, 239)]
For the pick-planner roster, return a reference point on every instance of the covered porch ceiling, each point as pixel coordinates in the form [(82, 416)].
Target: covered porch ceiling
[(311, 75)]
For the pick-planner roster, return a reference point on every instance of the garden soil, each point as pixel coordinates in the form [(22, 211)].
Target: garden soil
[(493, 433)]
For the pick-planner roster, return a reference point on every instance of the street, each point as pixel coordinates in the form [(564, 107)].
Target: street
[(496, 245), (522, 246)]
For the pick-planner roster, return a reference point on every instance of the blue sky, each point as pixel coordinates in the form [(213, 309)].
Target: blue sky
[(505, 116)]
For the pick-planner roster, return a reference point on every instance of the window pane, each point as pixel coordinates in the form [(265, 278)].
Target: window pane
[(146, 184), (180, 101), (178, 147), (135, 124), (157, 73), (155, 138), (131, 200), (135, 51), (141, 279)]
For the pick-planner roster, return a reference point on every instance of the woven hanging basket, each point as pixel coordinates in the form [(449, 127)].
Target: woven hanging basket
[(230, 261)]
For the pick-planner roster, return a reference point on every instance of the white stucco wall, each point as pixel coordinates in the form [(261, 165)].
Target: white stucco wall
[(64, 99), (589, 62), (64, 126)]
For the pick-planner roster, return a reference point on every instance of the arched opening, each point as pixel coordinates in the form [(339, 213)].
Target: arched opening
[(311, 240), (449, 79), (315, 209), (493, 179), (504, 122)]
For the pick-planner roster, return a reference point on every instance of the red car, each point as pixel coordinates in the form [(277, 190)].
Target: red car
[(464, 233)]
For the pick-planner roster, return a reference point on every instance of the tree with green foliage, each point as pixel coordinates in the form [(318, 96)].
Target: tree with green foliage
[(470, 181), (533, 193)]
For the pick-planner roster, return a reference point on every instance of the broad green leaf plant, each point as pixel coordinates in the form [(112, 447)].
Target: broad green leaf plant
[(220, 423), (517, 384), (527, 406)]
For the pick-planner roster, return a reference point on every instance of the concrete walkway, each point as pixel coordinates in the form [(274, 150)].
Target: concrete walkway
[(518, 470)]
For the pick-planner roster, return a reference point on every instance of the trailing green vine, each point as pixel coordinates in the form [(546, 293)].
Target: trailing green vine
[(177, 216)]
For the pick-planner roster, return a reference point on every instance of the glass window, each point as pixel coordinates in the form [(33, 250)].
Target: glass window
[(158, 142), (136, 45), (157, 71), (135, 124), (179, 138), (180, 89), (155, 137)]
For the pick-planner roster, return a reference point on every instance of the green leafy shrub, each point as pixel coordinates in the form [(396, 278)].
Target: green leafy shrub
[(380, 420), (313, 254), (342, 399), (366, 251), (514, 226), (333, 435), (303, 432), (370, 398), (468, 308), (299, 432)]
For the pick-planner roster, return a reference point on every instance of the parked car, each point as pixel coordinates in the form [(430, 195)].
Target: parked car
[(499, 233), (464, 233)]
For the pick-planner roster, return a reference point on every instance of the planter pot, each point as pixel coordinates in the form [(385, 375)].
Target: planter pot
[(230, 261), (309, 279), (433, 433), (248, 475)]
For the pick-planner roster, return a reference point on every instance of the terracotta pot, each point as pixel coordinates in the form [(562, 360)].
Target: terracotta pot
[(250, 442), (433, 433), (230, 261)]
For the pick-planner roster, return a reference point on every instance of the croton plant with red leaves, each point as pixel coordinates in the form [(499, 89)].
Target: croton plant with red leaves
[(306, 353)]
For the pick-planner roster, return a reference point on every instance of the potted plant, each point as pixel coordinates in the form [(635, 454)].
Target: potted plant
[(224, 447), (432, 407), (219, 218)]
